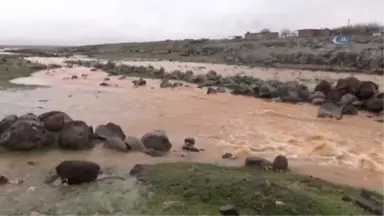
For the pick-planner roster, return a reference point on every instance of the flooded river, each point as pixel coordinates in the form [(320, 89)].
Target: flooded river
[(349, 151)]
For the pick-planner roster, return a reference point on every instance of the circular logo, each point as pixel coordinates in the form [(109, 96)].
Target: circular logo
[(341, 40)]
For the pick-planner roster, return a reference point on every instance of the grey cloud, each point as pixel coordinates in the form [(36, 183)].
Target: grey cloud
[(71, 22)]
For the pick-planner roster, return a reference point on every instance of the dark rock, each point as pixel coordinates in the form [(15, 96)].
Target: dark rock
[(123, 77), (165, 84), (137, 169), (208, 83), (116, 129), (316, 94), (154, 153), (74, 77), (293, 92), (228, 210), (379, 120), (76, 135), (29, 116), (134, 143), (93, 69), (211, 90), (190, 140), (157, 140), (107, 79), (3, 180), (334, 96), (7, 122), (348, 99), (268, 91), (190, 148), (258, 162), (77, 172), (221, 90), (227, 155), (366, 204), (374, 105), (115, 143), (103, 132), (55, 120), (381, 113), (350, 110), (26, 133), (330, 110), (177, 84), (139, 82), (318, 101), (324, 87), (103, 84), (280, 163), (357, 104), (211, 75), (31, 163), (348, 85), (367, 90)]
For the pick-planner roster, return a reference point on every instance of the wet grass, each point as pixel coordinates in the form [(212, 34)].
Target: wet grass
[(186, 189), (12, 67)]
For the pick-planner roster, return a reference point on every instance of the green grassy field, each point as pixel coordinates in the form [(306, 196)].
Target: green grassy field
[(185, 189), (12, 67)]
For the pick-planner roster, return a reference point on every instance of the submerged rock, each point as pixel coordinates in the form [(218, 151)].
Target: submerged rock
[(258, 162), (280, 163), (77, 172), (330, 110), (156, 140), (134, 143), (26, 133), (76, 135), (55, 120)]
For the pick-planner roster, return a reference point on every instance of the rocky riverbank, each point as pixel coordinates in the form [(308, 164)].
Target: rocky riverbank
[(348, 94), (206, 189), (362, 55)]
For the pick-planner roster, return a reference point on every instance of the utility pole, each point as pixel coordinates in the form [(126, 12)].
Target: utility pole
[(348, 22)]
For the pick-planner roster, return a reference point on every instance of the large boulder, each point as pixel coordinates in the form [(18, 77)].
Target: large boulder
[(348, 99), (374, 105), (330, 110), (292, 91), (116, 129), (317, 98), (348, 85), (77, 172), (134, 143), (367, 90), (267, 90), (26, 133), (110, 130), (76, 135), (156, 140), (112, 136), (55, 120), (324, 87), (350, 110), (115, 143), (6, 122), (334, 96)]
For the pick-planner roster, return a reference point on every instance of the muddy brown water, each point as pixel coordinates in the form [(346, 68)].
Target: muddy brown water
[(349, 151)]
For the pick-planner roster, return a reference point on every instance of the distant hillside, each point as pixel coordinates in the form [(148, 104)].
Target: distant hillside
[(364, 54)]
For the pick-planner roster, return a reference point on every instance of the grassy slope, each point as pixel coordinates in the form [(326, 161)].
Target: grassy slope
[(13, 67), (186, 189)]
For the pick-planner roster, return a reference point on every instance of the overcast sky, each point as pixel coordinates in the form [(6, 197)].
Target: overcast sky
[(74, 22)]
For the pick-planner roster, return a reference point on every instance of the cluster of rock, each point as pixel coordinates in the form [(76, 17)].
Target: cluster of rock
[(349, 93), (57, 129)]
